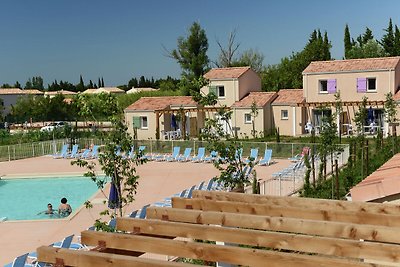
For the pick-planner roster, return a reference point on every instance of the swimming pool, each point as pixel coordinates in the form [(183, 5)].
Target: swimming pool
[(23, 199)]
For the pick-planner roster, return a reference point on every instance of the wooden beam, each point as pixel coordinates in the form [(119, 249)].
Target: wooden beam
[(157, 125), (275, 240), (309, 213), (69, 257), (301, 202), (291, 225), (211, 252)]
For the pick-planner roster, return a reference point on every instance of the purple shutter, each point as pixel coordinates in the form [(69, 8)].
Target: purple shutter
[(361, 85), (331, 86)]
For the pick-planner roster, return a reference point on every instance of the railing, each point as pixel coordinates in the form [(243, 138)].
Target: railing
[(292, 182)]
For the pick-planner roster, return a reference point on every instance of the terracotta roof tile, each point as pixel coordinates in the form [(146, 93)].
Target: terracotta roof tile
[(161, 102), (226, 73), (383, 63), (261, 99), (17, 91), (289, 96), (385, 181)]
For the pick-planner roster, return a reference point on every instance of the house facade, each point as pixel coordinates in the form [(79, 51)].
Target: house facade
[(245, 117), (10, 97), (287, 116), (354, 79), (153, 117)]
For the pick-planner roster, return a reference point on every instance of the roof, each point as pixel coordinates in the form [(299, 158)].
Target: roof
[(141, 89), (384, 182), (32, 92), (289, 97), (260, 98), (63, 92), (161, 102), (103, 90), (226, 73), (261, 230), (364, 64), (17, 91)]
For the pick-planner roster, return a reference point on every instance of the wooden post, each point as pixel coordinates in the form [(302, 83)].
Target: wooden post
[(366, 157), (157, 125), (337, 179), (183, 116)]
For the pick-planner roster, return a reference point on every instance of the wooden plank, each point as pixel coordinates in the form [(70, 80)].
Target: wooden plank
[(291, 225), (286, 211), (210, 252), (294, 242), (71, 257), (380, 208)]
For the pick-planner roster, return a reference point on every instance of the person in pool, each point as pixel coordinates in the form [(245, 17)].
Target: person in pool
[(64, 210), (49, 210)]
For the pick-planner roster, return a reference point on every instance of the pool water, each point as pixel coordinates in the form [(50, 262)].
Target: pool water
[(23, 199)]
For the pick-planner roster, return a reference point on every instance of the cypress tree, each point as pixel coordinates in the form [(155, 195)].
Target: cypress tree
[(99, 82), (102, 82), (396, 41), (347, 41), (387, 40), (367, 36), (326, 47)]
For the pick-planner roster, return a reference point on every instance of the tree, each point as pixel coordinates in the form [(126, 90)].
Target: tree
[(387, 40), (121, 170), (370, 49), (360, 117), (347, 41), (80, 87), (390, 108), (226, 56), (191, 53), (17, 85), (254, 114), (252, 58)]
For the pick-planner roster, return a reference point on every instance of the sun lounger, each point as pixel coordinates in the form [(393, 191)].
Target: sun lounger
[(175, 154), (130, 154), (63, 153), (18, 261), (74, 152), (253, 156), (212, 157), (84, 154), (186, 155), (267, 160), (200, 155), (95, 152)]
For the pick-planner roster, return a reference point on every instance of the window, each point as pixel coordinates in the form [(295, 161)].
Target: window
[(371, 84), (143, 123), (221, 91), (323, 86), (247, 118), (284, 114)]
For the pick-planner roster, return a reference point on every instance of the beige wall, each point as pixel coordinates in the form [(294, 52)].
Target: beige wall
[(294, 124), (236, 89), (246, 128), (249, 82), (346, 83), (143, 134), (231, 91)]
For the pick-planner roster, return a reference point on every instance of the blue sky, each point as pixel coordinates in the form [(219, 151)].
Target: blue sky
[(122, 39)]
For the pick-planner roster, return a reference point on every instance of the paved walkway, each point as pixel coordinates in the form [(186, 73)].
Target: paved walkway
[(157, 181)]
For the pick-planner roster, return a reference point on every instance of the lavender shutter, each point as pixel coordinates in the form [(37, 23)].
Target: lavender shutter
[(361, 85), (331, 86)]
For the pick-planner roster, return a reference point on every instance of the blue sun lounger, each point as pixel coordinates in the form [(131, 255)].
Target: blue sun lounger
[(175, 154), (186, 155), (200, 155), (253, 156), (74, 152), (18, 261), (267, 160), (95, 152), (63, 153)]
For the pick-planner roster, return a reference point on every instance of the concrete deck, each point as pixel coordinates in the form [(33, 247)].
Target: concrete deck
[(157, 181)]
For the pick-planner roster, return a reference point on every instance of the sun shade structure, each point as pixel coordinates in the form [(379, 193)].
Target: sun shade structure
[(257, 230)]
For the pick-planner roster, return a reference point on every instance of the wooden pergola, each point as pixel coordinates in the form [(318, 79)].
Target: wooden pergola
[(256, 230), (182, 110)]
